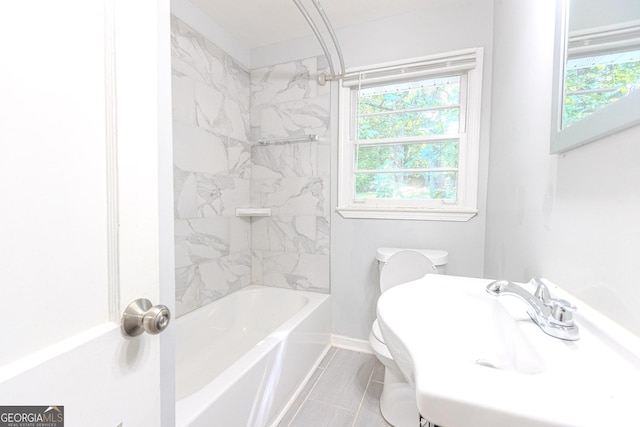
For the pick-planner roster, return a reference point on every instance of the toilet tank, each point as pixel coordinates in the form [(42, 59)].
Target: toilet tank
[(439, 258)]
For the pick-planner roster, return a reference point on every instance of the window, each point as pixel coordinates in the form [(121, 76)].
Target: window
[(603, 65), (409, 139)]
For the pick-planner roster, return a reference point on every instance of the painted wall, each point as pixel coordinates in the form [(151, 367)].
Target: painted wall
[(212, 169), (572, 218), (354, 274)]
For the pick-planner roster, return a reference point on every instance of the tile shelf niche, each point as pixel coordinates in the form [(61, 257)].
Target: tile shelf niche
[(253, 211)]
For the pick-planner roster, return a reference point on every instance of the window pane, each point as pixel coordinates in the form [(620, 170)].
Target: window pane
[(439, 92), (409, 123), (407, 186), (419, 108), (593, 82), (441, 154)]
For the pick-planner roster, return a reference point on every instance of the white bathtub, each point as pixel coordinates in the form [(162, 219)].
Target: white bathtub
[(240, 359)]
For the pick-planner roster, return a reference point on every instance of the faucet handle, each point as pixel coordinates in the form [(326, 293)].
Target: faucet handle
[(542, 292), (562, 312)]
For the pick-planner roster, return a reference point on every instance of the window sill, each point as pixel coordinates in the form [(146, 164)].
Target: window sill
[(456, 215)]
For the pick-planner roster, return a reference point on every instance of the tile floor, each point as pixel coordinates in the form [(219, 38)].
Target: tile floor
[(343, 391)]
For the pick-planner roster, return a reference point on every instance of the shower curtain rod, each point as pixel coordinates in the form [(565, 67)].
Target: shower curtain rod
[(322, 78), (308, 138)]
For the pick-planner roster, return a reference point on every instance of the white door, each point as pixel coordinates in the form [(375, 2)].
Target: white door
[(85, 208)]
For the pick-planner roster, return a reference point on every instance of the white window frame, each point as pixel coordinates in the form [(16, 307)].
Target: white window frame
[(466, 62)]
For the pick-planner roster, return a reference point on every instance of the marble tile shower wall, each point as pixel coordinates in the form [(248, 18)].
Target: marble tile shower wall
[(212, 169), (218, 108), (291, 248)]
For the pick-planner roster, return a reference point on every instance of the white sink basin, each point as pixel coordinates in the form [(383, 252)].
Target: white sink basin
[(478, 360)]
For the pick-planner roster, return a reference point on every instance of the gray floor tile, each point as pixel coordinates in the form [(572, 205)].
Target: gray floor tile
[(350, 380), (301, 398), (344, 380), (369, 414), (378, 372), (317, 414)]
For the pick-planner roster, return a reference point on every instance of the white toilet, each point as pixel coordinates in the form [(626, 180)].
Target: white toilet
[(396, 266)]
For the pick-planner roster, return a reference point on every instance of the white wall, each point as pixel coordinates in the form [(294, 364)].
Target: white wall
[(571, 218)]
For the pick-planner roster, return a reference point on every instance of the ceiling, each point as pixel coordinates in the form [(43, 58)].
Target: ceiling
[(259, 23)]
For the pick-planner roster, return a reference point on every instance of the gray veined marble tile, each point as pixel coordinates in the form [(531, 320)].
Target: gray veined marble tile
[(200, 284), (256, 267), (220, 195), (183, 99), (204, 61), (240, 235), (296, 271), (221, 114), (190, 48), (196, 150), (224, 275), (185, 192), (201, 239), (324, 159), (294, 196), (237, 82), (210, 189), (284, 160), (237, 119), (286, 82), (239, 158), (293, 119), (323, 236), (187, 289), (209, 101), (285, 234), (256, 193)]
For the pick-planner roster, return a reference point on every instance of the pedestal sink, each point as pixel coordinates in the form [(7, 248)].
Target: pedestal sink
[(479, 360)]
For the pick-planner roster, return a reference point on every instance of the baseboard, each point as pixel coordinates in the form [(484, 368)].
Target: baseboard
[(353, 344)]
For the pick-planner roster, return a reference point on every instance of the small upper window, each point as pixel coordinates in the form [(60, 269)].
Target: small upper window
[(409, 139)]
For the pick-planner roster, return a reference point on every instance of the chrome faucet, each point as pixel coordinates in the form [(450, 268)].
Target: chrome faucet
[(553, 316)]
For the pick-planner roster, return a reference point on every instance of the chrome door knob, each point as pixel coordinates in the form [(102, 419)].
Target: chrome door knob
[(140, 316)]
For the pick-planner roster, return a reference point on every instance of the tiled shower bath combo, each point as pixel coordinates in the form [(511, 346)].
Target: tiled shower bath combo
[(220, 111)]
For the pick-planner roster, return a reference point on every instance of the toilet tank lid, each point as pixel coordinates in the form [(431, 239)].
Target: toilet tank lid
[(436, 256)]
